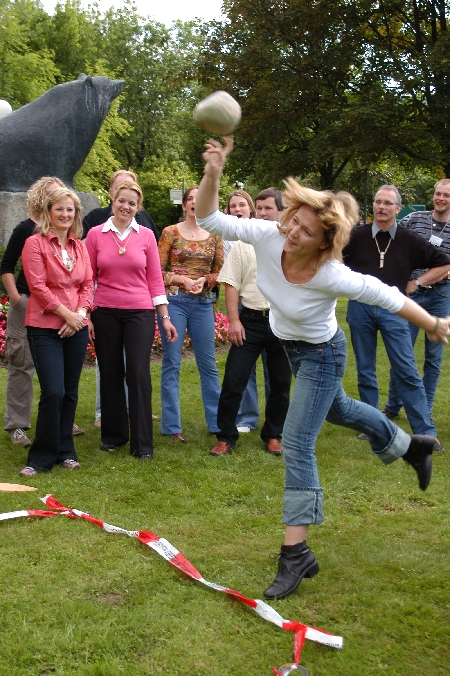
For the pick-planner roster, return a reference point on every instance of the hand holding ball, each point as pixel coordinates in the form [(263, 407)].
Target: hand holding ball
[(218, 113)]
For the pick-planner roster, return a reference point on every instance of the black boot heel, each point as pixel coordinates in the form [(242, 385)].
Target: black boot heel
[(295, 562), (312, 571)]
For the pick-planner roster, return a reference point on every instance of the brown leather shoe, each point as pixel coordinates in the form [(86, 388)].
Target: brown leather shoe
[(178, 437), (221, 448), (273, 446)]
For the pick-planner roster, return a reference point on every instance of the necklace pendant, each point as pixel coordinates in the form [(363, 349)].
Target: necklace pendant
[(382, 259), (122, 249)]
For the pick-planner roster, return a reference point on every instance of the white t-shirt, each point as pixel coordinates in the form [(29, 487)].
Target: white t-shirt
[(300, 311), (239, 270)]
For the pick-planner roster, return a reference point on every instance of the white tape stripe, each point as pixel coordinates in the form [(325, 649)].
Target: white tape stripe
[(325, 639), (13, 515), (268, 613)]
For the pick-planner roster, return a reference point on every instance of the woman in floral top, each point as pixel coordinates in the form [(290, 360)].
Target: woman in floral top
[(191, 259)]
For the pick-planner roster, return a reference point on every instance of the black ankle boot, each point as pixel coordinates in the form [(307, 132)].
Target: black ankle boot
[(419, 456), (295, 563)]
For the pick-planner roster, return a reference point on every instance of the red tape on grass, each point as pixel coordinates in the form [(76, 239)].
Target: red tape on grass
[(174, 557)]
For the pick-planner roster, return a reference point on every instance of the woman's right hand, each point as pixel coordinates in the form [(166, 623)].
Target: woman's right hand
[(216, 155)]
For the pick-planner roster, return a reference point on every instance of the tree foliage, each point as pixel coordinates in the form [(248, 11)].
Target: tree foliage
[(324, 81)]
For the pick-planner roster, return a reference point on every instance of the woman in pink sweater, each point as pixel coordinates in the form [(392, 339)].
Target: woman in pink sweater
[(125, 264)]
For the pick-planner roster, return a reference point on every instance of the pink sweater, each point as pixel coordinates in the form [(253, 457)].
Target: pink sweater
[(129, 281)]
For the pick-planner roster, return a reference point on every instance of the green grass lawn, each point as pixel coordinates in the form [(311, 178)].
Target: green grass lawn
[(76, 600)]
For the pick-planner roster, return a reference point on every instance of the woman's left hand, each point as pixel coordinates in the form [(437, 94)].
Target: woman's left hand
[(171, 332), (442, 332), (66, 331)]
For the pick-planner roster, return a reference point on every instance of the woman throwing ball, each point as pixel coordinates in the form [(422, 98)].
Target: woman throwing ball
[(300, 272)]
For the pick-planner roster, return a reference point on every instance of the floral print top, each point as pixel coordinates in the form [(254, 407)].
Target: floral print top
[(194, 259)]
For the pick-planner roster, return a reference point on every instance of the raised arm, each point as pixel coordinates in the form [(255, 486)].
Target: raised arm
[(215, 156)]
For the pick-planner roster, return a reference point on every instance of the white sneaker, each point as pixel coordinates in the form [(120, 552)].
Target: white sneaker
[(244, 429), (19, 437)]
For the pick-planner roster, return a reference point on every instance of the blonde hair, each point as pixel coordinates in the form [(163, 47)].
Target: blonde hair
[(45, 221), (37, 194), (248, 199), (337, 212), (122, 171), (130, 185)]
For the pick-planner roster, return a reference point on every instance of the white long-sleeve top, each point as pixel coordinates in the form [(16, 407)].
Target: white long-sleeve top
[(300, 311)]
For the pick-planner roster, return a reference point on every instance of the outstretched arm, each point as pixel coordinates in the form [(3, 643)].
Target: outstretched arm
[(215, 156), (437, 328)]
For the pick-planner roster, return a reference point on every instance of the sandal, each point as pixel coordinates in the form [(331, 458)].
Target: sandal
[(28, 471), (70, 463)]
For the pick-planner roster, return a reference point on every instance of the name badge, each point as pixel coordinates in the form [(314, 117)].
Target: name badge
[(435, 240)]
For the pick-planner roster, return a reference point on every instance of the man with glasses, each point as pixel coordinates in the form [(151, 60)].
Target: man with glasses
[(391, 254), (434, 226)]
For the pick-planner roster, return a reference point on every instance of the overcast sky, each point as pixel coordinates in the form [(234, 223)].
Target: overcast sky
[(164, 11)]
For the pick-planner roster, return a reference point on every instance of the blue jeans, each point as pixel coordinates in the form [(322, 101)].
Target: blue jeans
[(436, 301), (248, 415), (58, 363), (195, 314), (318, 396), (365, 321)]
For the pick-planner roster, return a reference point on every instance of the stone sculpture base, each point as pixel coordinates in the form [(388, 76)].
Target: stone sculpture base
[(13, 209)]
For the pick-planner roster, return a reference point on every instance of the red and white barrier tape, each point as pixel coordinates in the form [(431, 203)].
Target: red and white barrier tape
[(173, 556)]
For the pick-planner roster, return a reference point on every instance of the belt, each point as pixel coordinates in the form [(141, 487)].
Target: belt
[(255, 313)]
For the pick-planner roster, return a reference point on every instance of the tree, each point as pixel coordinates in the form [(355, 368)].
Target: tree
[(410, 51), (26, 66), (296, 67), (322, 83)]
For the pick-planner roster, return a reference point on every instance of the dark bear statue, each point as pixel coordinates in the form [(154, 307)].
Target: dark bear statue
[(53, 135)]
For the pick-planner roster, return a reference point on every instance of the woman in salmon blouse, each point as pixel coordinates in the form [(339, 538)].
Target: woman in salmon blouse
[(59, 275)]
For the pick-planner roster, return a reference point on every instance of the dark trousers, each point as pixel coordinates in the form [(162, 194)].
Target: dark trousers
[(58, 363), (240, 361), (134, 330)]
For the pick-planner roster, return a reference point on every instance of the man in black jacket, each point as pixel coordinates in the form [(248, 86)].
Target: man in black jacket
[(101, 215), (390, 253)]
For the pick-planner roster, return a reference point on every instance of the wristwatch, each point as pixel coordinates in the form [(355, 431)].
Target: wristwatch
[(417, 283)]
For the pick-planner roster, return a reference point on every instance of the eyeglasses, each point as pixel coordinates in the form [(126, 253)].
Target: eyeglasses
[(385, 203)]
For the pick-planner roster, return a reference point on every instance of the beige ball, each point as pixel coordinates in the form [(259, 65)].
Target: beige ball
[(218, 113), (5, 108)]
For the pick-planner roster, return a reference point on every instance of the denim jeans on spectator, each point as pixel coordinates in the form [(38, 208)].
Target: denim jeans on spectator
[(365, 321), (318, 396), (436, 301), (58, 363), (194, 313)]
